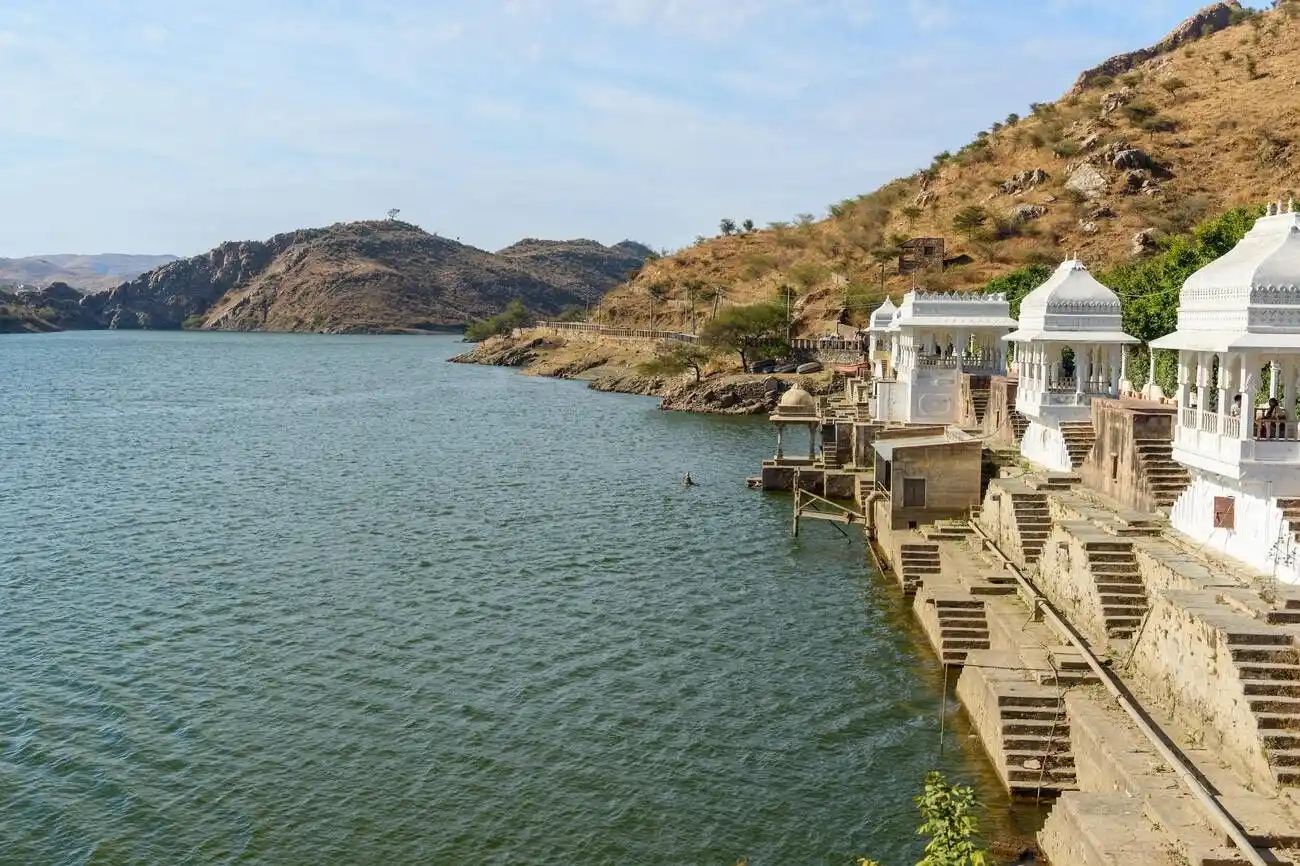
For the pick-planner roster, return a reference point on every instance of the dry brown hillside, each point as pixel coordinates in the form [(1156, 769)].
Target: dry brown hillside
[(1189, 132)]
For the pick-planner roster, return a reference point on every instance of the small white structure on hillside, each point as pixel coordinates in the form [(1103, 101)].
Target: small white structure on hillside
[(935, 338), (880, 341), (1239, 329), (1069, 311)]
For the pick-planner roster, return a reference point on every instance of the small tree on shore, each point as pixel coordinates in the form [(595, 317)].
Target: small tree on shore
[(748, 226), (747, 331), (515, 315), (727, 226), (675, 357)]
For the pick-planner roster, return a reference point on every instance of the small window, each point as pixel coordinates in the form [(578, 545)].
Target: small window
[(913, 492), (1225, 512), (1114, 467)]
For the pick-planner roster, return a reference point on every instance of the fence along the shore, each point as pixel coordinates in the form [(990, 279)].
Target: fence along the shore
[(649, 334)]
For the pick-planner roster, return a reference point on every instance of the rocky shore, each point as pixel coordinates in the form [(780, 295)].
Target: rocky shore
[(612, 368)]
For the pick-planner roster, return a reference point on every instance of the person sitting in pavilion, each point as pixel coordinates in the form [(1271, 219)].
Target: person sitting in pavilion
[(1272, 420)]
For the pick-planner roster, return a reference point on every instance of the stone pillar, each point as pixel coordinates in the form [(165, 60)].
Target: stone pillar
[(1225, 399), (1124, 383), (960, 345), (1116, 369), (780, 429), (1288, 389), (1082, 370), (1273, 373), (1248, 378), (1184, 381), (812, 441)]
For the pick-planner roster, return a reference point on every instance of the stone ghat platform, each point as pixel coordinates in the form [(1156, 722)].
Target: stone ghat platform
[(1208, 651)]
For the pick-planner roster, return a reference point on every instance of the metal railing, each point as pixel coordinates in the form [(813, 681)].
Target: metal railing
[(618, 333)]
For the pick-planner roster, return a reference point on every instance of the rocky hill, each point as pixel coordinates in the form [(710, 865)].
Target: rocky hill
[(88, 273), (584, 267), (1143, 146), (362, 277)]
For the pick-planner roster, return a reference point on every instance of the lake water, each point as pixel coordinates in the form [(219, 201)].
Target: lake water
[(297, 599)]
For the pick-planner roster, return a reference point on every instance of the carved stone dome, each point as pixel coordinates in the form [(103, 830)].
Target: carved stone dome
[(796, 401)]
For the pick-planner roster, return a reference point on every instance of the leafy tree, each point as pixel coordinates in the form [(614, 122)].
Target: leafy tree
[(1013, 119), (912, 213), (748, 226), (674, 357), (970, 219), (804, 219), (515, 315), (948, 818), (748, 330), (727, 226)]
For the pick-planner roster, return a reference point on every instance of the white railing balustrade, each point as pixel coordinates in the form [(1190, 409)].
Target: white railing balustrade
[(1277, 429), (1187, 417), (1209, 422), (1232, 427)]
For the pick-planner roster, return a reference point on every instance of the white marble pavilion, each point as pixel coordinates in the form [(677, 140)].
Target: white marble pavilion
[(1239, 330), (1070, 310), (935, 337), (879, 339)]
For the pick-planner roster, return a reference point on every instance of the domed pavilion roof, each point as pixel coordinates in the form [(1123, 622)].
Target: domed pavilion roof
[(1071, 306), (796, 405), (1250, 296), (883, 316)]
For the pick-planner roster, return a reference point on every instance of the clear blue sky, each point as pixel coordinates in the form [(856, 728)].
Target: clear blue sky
[(153, 126)]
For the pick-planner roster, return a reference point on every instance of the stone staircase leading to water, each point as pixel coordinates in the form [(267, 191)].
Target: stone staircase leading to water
[(1114, 571), (1035, 734), (1291, 514), (1269, 668), (1165, 477), (1019, 424), (963, 626), (979, 403), (1033, 523), (1079, 438), (917, 559)]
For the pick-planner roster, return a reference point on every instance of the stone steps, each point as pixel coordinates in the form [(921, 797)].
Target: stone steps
[(1165, 478), (1269, 670)]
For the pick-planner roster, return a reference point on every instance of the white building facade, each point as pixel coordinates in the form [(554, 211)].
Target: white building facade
[(1238, 344), (1069, 349), (935, 337)]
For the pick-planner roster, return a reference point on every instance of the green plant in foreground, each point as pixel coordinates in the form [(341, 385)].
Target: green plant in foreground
[(948, 818)]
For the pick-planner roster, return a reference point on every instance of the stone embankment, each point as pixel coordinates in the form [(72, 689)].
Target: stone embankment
[(609, 365), (1207, 651)]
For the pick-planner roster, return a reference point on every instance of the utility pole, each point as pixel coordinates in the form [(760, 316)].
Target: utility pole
[(788, 321)]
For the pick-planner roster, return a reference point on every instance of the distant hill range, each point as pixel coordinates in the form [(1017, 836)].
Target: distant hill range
[(381, 276), (88, 273)]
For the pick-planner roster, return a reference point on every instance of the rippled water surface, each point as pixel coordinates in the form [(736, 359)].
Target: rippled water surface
[(329, 600)]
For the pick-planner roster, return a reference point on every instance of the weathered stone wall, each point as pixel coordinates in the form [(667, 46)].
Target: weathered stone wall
[(998, 519), (1113, 466), (998, 429), (1065, 578), (1181, 657), (952, 481)]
